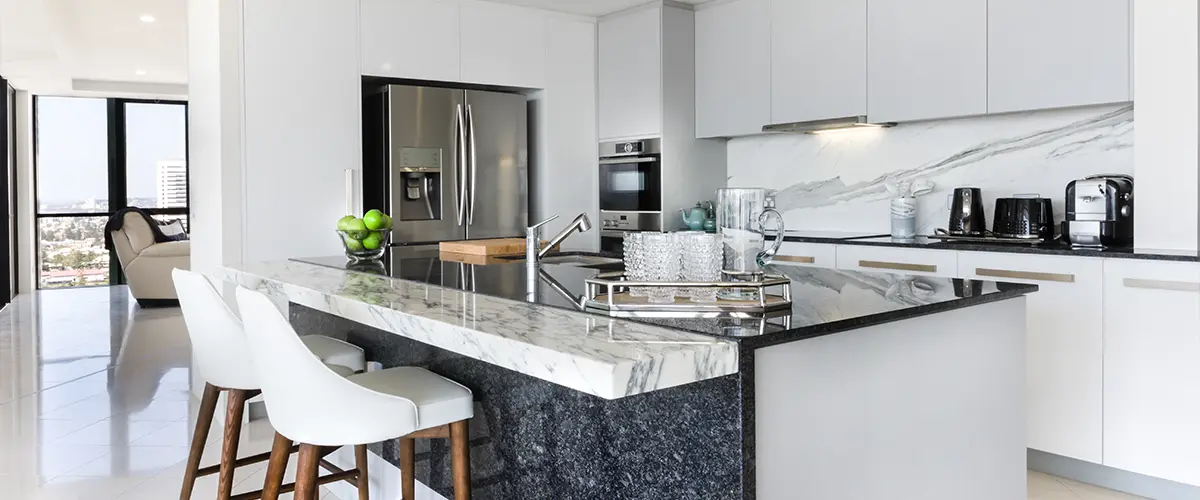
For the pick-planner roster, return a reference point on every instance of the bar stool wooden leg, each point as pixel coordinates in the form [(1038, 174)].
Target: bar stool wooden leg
[(364, 484), (460, 460), (306, 472), (208, 406), (233, 430), (280, 451), (408, 458)]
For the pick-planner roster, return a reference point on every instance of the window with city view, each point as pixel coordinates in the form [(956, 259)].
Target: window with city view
[(96, 156)]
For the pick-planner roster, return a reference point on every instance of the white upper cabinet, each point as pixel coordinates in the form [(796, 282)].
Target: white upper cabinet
[(818, 59), (630, 56), (926, 59), (1151, 372), (733, 68), (415, 39), (1057, 53), (503, 45)]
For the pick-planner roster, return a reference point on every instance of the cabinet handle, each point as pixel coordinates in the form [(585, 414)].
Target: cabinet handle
[(898, 266), (1175, 286), (796, 258), (1025, 275)]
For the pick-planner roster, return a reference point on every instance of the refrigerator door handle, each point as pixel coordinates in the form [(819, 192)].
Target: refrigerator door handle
[(474, 165), (460, 157)]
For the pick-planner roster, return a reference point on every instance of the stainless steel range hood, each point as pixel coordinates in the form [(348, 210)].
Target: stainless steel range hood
[(822, 125)]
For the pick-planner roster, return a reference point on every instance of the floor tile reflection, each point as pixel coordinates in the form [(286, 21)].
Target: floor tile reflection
[(95, 404)]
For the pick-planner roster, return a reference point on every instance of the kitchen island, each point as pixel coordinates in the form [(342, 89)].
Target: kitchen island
[(873, 386)]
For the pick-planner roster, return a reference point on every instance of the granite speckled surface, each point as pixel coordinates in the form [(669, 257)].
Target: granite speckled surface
[(531, 439), (1056, 248), (600, 356)]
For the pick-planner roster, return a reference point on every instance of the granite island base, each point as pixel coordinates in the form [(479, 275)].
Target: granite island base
[(925, 405)]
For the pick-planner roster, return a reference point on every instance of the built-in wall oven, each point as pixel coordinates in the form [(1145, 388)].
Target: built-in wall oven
[(630, 189)]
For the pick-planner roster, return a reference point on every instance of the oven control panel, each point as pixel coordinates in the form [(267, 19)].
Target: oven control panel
[(630, 221)]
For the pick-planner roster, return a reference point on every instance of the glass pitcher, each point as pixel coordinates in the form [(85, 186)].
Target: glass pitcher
[(742, 214)]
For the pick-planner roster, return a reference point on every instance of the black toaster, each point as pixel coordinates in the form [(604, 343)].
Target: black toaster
[(1024, 218)]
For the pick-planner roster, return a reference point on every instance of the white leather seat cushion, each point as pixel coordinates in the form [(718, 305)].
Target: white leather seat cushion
[(340, 370), (439, 400), (336, 352)]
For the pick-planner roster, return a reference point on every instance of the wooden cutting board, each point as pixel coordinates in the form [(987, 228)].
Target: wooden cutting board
[(500, 246)]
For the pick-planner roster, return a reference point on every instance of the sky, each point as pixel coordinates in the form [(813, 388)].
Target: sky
[(72, 136)]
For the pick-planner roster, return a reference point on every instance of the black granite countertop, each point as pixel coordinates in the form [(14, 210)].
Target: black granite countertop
[(824, 301), (1055, 248)]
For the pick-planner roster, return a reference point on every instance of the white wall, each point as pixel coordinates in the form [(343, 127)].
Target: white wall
[(27, 264), (565, 178), (1165, 90), (275, 121), (215, 132), (303, 123)]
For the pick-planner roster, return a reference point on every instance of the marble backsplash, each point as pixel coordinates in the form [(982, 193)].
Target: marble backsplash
[(835, 181)]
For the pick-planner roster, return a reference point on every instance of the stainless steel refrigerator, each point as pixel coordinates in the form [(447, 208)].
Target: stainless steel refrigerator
[(446, 164)]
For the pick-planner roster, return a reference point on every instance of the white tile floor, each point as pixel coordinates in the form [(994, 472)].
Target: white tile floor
[(94, 404)]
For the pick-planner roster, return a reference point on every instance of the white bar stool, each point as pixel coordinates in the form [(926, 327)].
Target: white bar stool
[(312, 405), (223, 359)]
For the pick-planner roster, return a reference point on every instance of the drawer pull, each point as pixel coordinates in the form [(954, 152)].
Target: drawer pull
[(796, 258), (1175, 286), (1025, 275), (897, 266)]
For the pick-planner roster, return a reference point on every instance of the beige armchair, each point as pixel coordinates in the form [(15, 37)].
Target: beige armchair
[(147, 264)]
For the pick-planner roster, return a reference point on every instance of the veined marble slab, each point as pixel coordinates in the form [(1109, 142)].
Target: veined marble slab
[(836, 182), (605, 357)]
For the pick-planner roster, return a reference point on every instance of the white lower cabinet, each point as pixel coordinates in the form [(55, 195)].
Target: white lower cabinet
[(806, 254), (1152, 368), (1064, 346), (880, 259)]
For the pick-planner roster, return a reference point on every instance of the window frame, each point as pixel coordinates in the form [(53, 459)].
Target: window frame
[(117, 177)]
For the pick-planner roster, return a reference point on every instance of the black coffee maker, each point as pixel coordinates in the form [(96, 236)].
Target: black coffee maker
[(966, 212)]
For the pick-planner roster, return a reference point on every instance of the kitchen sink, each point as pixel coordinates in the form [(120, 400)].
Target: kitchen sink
[(576, 260), (579, 260)]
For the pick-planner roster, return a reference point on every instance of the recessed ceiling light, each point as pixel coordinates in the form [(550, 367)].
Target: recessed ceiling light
[(140, 72), (147, 18)]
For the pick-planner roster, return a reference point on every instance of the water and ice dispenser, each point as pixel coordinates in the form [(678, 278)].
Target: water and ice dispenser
[(418, 181)]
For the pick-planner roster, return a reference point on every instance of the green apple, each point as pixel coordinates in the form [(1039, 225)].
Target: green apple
[(357, 229), (374, 219), (341, 224), (354, 245), (387, 221), (372, 241)]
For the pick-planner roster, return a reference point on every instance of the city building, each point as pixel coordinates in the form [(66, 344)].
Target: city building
[(172, 184)]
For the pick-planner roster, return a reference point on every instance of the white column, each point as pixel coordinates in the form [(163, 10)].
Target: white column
[(1165, 136), (275, 120)]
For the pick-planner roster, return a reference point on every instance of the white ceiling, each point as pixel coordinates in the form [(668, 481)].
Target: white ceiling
[(101, 46), (71, 46), (585, 7)]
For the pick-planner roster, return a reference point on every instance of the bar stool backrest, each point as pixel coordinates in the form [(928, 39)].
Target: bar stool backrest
[(218, 342), (306, 401)]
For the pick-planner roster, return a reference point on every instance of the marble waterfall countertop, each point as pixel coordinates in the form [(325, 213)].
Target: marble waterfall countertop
[(605, 357)]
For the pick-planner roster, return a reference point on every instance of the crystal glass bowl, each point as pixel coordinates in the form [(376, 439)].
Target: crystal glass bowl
[(365, 245)]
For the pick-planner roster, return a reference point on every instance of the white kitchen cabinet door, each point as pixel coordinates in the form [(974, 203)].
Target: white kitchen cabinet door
[(1064, 346), (630, 61), (818, 59), (1057, 53), (882, 259), (806, 254), (411, 39), (503, 45), (926, 59), (1152, 368), (733, 68)]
